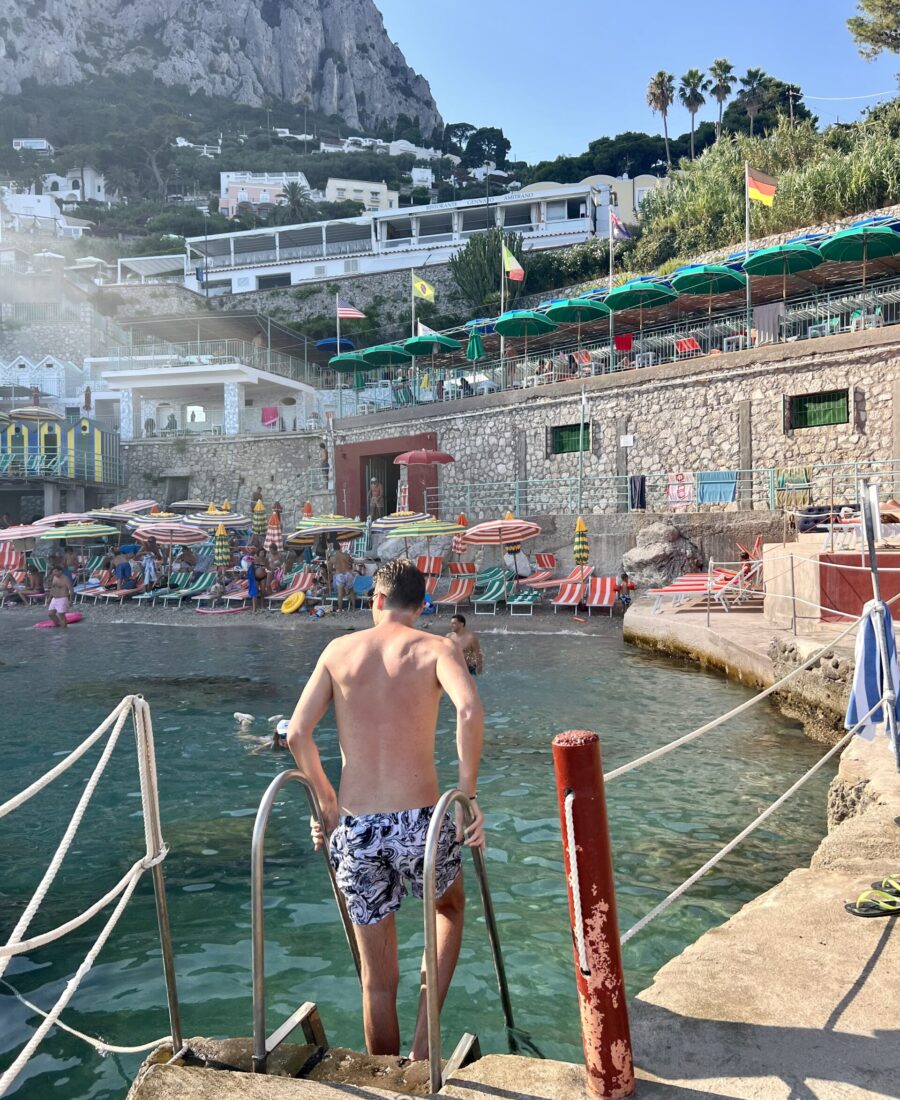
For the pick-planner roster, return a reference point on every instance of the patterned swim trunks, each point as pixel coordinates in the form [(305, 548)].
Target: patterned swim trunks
[(375, 856)]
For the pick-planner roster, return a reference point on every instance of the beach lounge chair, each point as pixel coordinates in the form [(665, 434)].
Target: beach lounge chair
[(545, 561), (89, 590), (523, 601), (239, 595), (571, 594), (362, 590), (494, 594), (203, 595), (177, 581), (578, 575), (195, 586), (119, 595), (460, 591), (298, 582), (719, 587), (489, 576), (430, 565), (539, 576), (601, 593), (462, 568)]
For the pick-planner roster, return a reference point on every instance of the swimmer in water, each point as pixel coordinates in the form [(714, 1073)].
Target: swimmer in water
[(468, 642)]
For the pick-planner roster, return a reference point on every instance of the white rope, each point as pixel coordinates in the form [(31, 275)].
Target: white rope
[(733, 713), (68, 836), (732, 844), (574, 884), (97, 1044)]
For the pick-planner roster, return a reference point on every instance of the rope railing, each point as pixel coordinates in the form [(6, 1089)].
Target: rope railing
[(111, 727)]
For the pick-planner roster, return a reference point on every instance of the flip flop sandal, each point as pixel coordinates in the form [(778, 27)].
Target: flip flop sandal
[(889, 885), (874, 903)]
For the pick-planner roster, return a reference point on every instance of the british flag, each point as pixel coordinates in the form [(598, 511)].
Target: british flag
[(618, 232), (347, 312)]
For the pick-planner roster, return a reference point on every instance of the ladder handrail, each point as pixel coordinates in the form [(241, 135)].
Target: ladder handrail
[(257, 866), (428, 889)]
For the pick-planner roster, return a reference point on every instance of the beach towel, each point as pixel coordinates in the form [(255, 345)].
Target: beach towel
[(269, 416), (637, 493), (867, 676), (150, 574), (680, 490), (793, 486), (623, 341), (716, 486)]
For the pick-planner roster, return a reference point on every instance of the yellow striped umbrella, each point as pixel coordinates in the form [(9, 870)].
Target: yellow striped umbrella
[(426, 529), (259, 518), (513, 547), (581, 542), (221, 549), (75, 532)]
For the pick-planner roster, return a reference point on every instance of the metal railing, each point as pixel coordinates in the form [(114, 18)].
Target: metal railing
[(15, 466), (40, 311), (154, 356), (763, 488)]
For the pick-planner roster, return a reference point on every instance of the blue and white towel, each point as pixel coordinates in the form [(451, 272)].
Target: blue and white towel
[(716, 486), (867, 676)]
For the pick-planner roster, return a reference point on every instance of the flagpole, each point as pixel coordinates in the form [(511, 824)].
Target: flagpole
[(612, 267), (337, 351), (747, 239), (502, 311), (412, 327)]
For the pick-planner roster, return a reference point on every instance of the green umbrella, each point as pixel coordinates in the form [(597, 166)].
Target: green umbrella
[(260, 519), (348, 362), (386, 355), (576, 310), (863, 242), (424, 529), (640, 294), (581, 552), (475, 348), (783, 259), (708, 279), (75, 532), (221, 548), (428, 345), (523, 322)]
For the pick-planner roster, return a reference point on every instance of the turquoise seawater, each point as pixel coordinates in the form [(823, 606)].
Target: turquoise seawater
[(666, 819)]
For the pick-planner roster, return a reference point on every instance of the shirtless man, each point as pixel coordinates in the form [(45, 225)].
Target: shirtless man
[(340, 566), (468, 644), (60, 594), (386, 685)]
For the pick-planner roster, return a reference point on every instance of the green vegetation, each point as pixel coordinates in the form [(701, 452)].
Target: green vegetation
[(877, 27), (844, 170), (476, 269)]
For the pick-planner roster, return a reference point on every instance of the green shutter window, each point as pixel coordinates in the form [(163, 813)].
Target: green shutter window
[(817, 410), (565, 439)]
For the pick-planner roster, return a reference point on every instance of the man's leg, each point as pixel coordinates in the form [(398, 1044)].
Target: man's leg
[(450, 916), (380, 978)]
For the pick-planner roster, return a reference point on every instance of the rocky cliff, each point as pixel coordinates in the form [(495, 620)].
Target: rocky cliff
[(333, 55)]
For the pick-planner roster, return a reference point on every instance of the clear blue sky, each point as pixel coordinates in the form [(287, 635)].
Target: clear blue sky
[(557, 75)]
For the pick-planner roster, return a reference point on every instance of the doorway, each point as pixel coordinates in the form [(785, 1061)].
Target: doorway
[(382, 469)]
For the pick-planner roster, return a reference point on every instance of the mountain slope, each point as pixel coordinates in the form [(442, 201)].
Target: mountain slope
[(333, 55)]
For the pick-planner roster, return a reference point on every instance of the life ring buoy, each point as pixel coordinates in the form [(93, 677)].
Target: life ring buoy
[(293, 603)]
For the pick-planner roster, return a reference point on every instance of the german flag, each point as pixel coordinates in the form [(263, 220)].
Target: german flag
[(760, 187)]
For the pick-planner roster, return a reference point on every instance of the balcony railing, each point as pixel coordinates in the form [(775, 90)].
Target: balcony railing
[(15, 466)]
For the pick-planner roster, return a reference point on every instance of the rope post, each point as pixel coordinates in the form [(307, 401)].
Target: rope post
[(793, 601), (606, 1037)]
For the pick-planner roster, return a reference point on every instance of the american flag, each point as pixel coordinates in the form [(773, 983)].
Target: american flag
[(346, 312), (618, 231)]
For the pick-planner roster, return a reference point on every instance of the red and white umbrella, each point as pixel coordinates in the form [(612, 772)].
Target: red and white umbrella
[(458, 546), (170, 534), (64, 517), (499, 532), (136, 505), (423, 458), (19, 533), (274, 536)]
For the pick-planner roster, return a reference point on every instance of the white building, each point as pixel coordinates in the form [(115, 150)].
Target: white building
[(84, 184), (261, 192), (422, 177), (35, 145), (205, 150), (38, 214), (398, 148), (373, 195)]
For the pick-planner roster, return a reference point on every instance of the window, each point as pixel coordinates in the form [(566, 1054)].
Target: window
[(351, 267), (816, 410), (341, 192), (564, 440)]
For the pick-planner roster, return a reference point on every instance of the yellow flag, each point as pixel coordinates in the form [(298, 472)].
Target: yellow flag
[(421, 289)]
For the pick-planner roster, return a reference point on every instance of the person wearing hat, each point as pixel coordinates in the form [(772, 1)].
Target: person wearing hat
[(376, 499)]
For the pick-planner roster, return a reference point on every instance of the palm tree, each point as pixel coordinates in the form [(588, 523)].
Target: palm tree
[(298, 204), (691, 95), (753, 93), (722, 73), (660, 97)]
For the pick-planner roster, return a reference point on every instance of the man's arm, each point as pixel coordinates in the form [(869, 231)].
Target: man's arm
[(310, 709), (479, 656), (454, 678)]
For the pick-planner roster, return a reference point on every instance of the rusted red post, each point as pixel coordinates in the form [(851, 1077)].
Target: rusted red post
[(592, 909)]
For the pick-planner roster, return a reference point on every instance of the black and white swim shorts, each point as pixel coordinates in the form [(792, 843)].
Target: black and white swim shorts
[(377, 856)]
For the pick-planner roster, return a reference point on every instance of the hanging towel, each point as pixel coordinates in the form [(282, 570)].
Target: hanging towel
[(767, 322), (867, 676), (680, 490), (623, 341), (637, 492), (269, 416), (793, 486), (716, 486)]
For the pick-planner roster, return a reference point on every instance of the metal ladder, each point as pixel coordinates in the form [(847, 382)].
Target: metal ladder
[(306, 1016)]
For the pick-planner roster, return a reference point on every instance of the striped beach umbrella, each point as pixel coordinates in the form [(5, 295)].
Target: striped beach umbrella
[(170, 534), (209, 521), (64, 517), (499, 532), (136, 506), (190, 505), (79, 532), (427, 529), (153, 517), (458, 546), (274, 535), (113, 515), (221, 549), (259, 518), (307, 509), (397, 519), (581, 542), (35, 414), (21, 533), (512, 547), (339, 527)]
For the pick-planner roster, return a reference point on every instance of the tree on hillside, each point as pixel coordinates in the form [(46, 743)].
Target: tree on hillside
[(721, 84), (690, 92), (298, 205), (476, 269), (660, 96), (776, 103), (456, 134), (753, 94), (486, 144), (876, 28)]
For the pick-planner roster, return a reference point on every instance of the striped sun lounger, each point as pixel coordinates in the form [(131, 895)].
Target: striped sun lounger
[(571, 594), (601, 593), (460, 591)]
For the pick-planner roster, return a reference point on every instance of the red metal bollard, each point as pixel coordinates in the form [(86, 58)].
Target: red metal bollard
[(592, 909)]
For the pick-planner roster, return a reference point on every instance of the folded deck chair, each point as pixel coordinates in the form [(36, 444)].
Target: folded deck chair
[(120, 594), (240, 594), (460, 591), (429, 564), (523, 601), (601, 593), (462, 568), (495, 593), (545, 561), (299, 582), (578, 576), (715, 587), (539, 576), (571, 594), (176, 581)]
